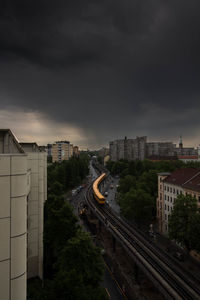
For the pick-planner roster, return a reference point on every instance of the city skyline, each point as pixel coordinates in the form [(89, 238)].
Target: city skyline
[(96, 71)]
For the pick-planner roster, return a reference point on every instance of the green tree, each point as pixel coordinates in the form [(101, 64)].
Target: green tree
[(80, 270), (126, 183), (60, 225), (195, 232), (137, 205), (182, 218)]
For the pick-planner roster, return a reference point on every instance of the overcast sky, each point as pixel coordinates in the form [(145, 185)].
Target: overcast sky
[(92, 71)]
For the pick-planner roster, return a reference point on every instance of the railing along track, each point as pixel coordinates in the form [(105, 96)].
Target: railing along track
[(171, 280)]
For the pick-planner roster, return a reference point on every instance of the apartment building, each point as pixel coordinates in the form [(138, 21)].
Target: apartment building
[(170, 185), (23, 192), (61, 150), (37, 164), (76, 151), (139, 148), (130, 149), (160, 149)]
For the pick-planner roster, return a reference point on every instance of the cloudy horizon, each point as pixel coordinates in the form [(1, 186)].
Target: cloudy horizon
[(95, 71)]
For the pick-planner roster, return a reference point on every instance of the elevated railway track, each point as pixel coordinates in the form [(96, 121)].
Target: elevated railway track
[(166, 275)]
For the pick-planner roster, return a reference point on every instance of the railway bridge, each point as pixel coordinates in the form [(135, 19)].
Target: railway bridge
[(167, 275)]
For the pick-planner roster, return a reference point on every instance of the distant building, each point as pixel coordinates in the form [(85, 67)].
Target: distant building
[(61, 151), (157, 149), (130, 149), (170, 185), (71, 150), (49, 150), (185, 151), (76, 151), (188, 158), (139, 148), (23, 192)]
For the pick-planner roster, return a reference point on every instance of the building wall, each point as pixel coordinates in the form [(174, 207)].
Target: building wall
[(194, 194), (160, 149), (75, 151), (130, 149), (8, 143), (13, 225), (61, 151), (37, 164), (71, 150), (160, 201), (171, 191)]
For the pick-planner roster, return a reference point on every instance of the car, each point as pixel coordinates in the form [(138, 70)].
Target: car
[(106, 194), (111, 186)]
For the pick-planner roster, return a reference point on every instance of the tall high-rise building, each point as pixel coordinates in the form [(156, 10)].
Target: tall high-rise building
[(23, 192), (130, 149)]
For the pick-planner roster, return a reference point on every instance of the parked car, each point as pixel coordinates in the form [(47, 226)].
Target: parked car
[(111, 186)]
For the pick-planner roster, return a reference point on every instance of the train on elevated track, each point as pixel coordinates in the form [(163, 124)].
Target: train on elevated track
[(97, 195)]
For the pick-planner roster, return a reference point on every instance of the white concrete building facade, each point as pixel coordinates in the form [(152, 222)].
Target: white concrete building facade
[(170, 185), (16, 191), (37, 164)]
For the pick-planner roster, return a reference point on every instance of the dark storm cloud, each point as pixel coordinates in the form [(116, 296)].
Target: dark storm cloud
[(110, 67)]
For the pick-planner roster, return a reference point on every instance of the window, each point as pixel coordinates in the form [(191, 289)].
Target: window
[(165, 217), (160, 196), (165, 197), (171, 208), (174, 191), (165, 206), (165, 188), (177, 192), (170, 190), (160, 186), (170, 199), (168, 207), (181, 192), (199, 199)]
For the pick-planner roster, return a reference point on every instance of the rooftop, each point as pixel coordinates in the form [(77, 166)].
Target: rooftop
[(186, 177)]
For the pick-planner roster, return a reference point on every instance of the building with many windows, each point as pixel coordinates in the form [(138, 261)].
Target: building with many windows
[(130, 149), (170, 185), (23, 192), (61, 151), (139, 148)]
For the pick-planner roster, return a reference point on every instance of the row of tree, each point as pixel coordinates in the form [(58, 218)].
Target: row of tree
[(68, 174), (73, 266), (138, 167)]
